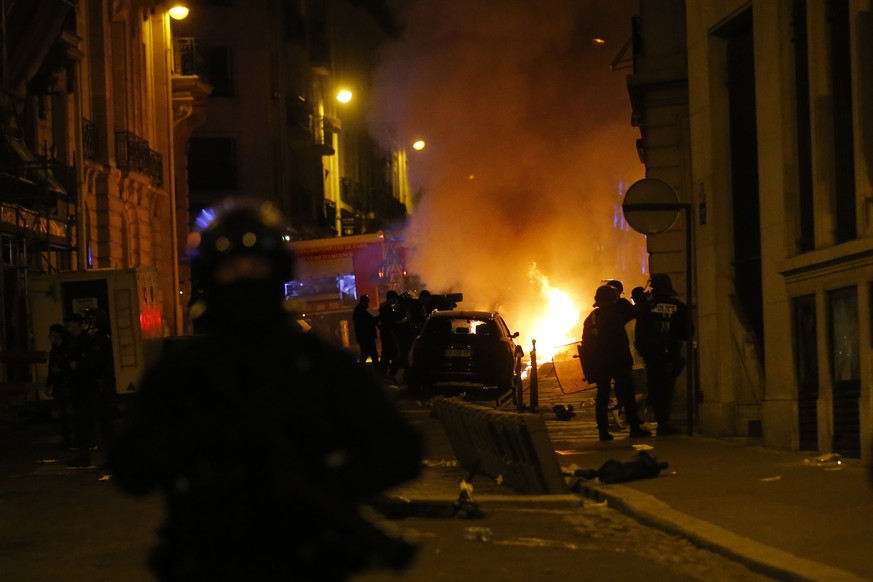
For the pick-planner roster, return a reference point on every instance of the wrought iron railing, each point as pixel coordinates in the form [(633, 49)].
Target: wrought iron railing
[(33, 223), (323, 128), (184, 56), (134, 154), (90, 139), (156, 168)]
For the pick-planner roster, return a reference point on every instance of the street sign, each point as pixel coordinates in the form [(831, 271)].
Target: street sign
[(651, 206)]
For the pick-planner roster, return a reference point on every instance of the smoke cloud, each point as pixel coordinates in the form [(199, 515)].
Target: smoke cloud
[(529, 149)]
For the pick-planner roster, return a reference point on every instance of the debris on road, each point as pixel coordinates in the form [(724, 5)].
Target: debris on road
[(563, 412), (642, 466)]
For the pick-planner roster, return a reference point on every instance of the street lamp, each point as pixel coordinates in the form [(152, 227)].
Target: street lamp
[(418, 145), (178, 11), (344, 96)]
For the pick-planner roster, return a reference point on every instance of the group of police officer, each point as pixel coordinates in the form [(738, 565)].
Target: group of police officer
[(663, 324), (399, 320), (81, 378)]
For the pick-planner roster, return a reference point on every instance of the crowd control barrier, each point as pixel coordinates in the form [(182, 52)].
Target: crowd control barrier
[(495, 443)]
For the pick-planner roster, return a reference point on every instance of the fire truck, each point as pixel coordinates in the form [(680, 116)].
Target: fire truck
[(332, 274)]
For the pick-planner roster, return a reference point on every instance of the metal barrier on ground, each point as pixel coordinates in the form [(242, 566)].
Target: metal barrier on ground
[(495, 443)]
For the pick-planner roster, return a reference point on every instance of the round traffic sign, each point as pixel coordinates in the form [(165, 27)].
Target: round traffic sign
[(651, 206)]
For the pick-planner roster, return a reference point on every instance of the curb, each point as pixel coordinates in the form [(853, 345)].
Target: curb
[(439, 507), (509, 501), (757, 556)]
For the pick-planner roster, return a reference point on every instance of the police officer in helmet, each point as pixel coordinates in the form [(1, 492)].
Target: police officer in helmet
[(663, 326), (263, 440)]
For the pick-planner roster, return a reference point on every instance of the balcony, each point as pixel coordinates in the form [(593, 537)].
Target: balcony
[(185, 56), (90, 140), (323, 128), (133, 153)]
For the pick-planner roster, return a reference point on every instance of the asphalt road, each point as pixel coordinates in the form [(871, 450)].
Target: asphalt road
[(71, 525), (558, 543)]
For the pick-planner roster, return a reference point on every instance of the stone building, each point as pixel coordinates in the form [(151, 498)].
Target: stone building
[(91, 113), (758, 113), (120, 123), (275, 127)]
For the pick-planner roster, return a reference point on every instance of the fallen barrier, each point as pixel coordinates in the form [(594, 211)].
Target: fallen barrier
[(511, 446)]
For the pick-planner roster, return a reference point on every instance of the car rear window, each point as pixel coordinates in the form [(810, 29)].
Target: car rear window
[(438, 326)]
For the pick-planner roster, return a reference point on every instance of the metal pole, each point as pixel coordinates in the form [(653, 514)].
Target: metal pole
[(689, 368), (4, 56), (534, 380)]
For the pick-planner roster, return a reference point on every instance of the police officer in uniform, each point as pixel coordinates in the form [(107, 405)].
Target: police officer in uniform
[(392, 319), (264, 440), (606, 357), (366, 325), (663, 324)]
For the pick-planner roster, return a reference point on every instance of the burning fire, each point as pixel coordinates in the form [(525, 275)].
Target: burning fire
[(553, 326)]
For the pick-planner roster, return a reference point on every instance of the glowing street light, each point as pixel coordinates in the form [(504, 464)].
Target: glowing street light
[(418, 145), (178, 11), (344, 96)]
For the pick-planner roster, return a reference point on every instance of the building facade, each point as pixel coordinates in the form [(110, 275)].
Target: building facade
[(91, 113), (758, 113), (275, 127)]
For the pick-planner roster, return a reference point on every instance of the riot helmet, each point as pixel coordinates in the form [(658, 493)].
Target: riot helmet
[(241, 228), (662, 285), (638, 294), (240, 261), (605, 295)]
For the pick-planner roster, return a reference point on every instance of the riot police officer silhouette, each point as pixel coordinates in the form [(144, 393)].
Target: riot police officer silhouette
[(663, 325), (264, 440)]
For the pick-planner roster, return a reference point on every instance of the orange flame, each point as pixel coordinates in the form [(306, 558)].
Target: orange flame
[(553, 326)]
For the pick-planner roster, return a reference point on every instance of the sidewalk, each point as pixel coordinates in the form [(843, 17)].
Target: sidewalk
[(784, 514)]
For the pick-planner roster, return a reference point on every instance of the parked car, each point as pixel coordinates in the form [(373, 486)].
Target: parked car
[(460, 351)]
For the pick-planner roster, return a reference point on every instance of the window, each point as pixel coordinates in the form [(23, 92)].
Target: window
[(806, 210), (217, 69), (845, 360), (212, 163), (844, 148), (845, 370), (745, 195)]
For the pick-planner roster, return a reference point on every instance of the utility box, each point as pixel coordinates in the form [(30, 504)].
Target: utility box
[(128, 296)]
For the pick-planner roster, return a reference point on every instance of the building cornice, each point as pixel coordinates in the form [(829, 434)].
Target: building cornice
[(847, 256)]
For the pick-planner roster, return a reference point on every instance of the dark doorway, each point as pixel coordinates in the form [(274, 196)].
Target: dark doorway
[(845, 363), (806, 370)]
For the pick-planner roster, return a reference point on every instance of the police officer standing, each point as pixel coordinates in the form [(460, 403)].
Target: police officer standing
[(366, 325), (263, 439), (606, 357), (80, 387), (663, 324), (93, 382), (57, 383), (392, 318)]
